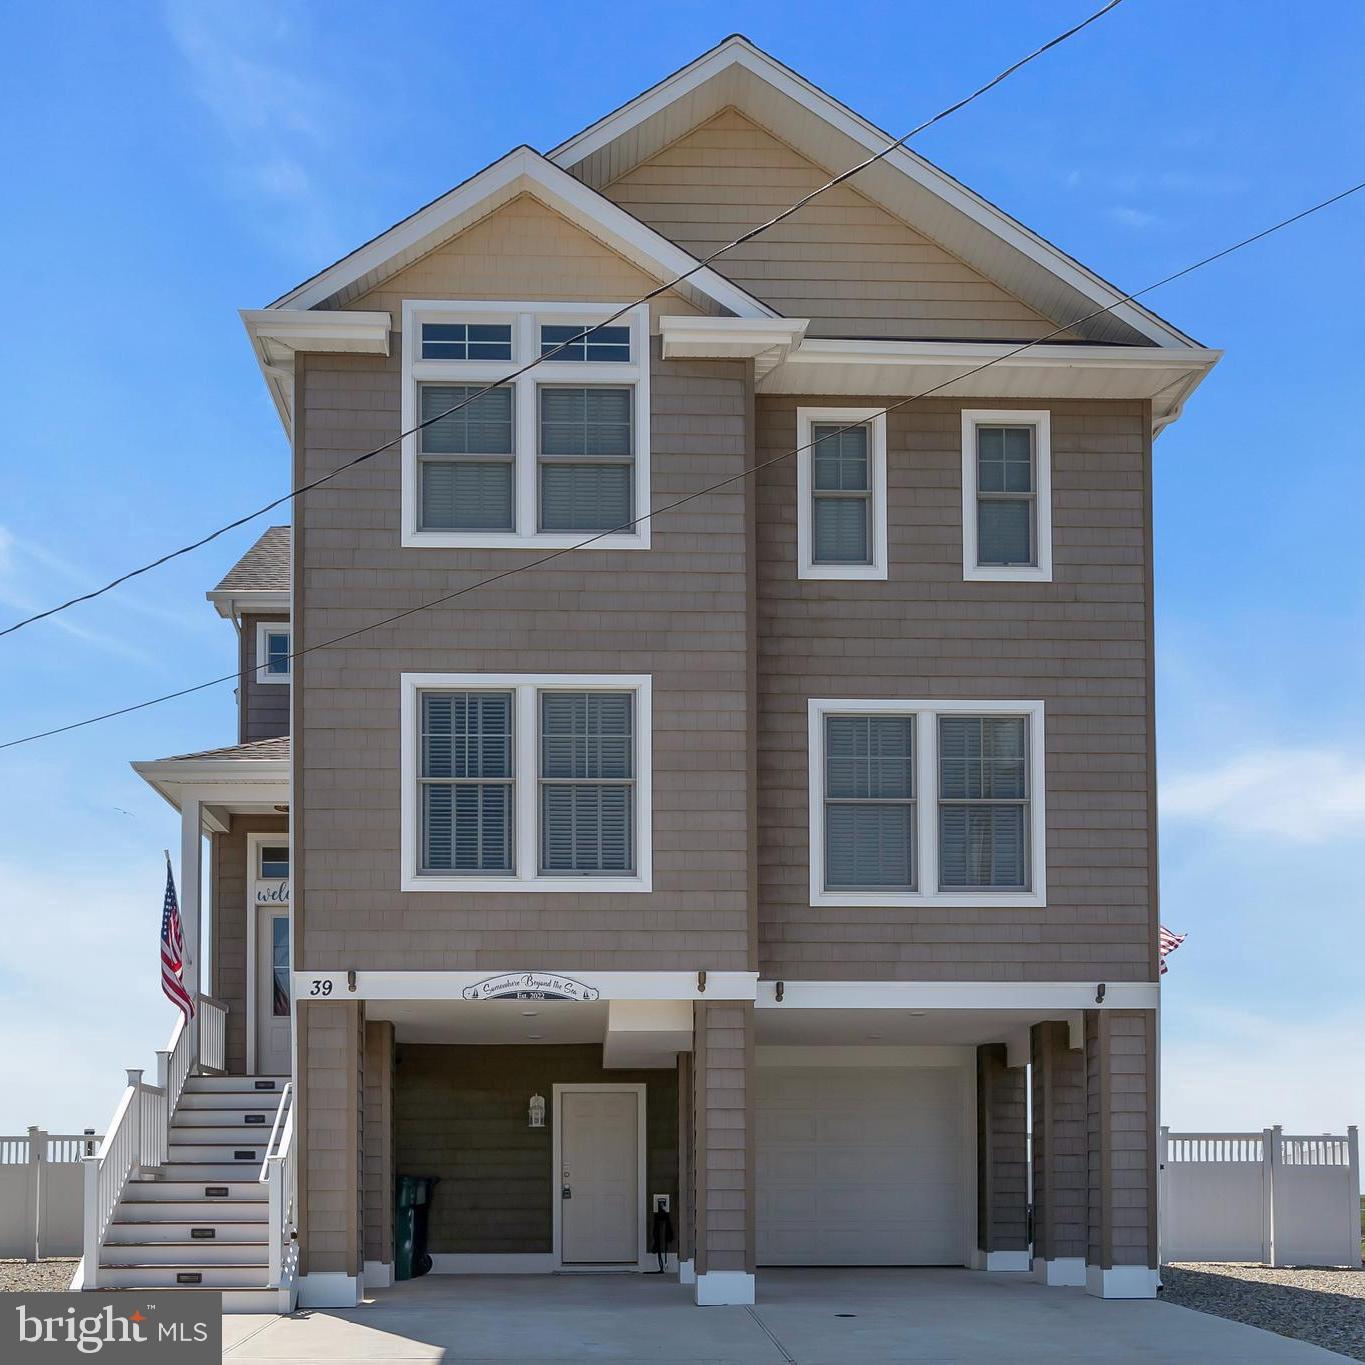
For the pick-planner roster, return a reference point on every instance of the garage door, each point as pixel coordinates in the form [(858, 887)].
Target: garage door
[(861, 1166)]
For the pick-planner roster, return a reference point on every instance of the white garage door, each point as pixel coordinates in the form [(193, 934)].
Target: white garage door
[(861, 1167)]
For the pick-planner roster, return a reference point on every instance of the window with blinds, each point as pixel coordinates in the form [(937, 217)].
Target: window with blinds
[(585, 457), (587, 781), (983, 802), (466, 781), (1006, 496), (466, 459), (841, 494), (870, 802)]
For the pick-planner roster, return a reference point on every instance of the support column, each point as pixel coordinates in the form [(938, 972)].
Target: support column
[(191, 889), (1120, 1068), (1059, 1155), (1001, 1162), (723, 1154), (377, 1155), (331, 1062), (682, 1215)]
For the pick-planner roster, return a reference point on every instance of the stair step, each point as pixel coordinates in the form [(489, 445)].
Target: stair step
[(221, 1135), (191, 1122), (234, 1101), (141, 1229), (170, 1276), (211, 1172), (245, 1085), (196, 1255), (197, 1211), (234, 1300), (196, 1187)]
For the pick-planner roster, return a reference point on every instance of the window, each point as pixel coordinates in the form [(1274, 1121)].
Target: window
[(520, 782), (927, 803), (274, 861), (272, 653), (279, 965), (555, 455), (1006, 496), (841, 493)]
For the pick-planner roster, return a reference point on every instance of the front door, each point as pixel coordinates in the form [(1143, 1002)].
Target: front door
[(599, 1177), (272, 991)]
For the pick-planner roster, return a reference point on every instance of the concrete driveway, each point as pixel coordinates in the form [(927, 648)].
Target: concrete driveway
[(803, 1317)]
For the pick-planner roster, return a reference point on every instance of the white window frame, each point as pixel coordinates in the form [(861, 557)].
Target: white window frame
[(926, 713), (525, 320), (1041, 422), (806, 420), (263, 629), (525, 688)]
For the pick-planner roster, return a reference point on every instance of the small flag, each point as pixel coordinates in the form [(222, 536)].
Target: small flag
[(1167, 944), (173, 951)]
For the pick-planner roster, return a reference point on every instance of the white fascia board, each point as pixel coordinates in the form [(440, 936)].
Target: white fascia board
[(957, 995), (524, 170), (384, 985), (299, 329), (737, 51), (222, 781), (729, 338), (233, 605)]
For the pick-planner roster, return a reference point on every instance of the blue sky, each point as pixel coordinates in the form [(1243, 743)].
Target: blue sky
[(167, 165)]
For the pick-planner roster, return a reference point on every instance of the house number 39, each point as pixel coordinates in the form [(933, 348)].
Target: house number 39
[(320, 987)]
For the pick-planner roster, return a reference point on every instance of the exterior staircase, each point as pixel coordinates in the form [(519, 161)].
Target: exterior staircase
[(201, 1219)]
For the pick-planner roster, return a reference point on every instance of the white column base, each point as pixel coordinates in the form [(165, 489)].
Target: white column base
[(377, 1275), (1122, 1281), (717, 1287), (1000, 1260), (329, 1289), (1061, 1270), (687, 1271)]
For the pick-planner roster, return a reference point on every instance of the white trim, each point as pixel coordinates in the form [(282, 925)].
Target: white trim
[(522, 170), (508, 1263), (1041, 570), (525, 319), (738, 51), (377, 1275), (233, 603), (267, 628), (255, 840), (525, 747), (806, 567), (557, 1093), (715, 1288), (1122, 1281), (333, 985), (687, 1271), (329, 1289), (1011, 1262), (1043, 996), (1061, 1271), (926, 713)]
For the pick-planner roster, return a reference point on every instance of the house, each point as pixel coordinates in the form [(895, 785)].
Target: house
[(754, 860)]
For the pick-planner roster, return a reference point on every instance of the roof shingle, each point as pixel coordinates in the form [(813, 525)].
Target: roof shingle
[(264, 567)]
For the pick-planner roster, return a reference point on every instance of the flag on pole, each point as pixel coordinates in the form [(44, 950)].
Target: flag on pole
[(173, 950), (1168, 943)]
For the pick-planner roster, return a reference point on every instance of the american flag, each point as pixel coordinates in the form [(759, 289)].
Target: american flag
[(1168, 943), (173, 951)]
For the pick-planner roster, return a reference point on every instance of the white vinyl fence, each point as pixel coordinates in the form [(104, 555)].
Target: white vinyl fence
[(42, 1184), (1269, 1197)]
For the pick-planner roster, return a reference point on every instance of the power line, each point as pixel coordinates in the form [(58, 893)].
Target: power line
[(570, 341), (710, 488)]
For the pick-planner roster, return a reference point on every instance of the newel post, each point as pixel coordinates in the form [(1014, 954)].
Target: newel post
[(135, 1119), (37, 1150)]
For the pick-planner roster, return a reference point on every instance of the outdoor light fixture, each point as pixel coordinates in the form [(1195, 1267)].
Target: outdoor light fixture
[(535, 1112)]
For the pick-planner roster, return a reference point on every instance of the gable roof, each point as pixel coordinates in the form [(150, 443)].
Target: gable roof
[(736, 73), (521, 171), (259, 580)]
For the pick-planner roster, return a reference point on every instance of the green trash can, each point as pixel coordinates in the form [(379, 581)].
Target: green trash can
[(413, 1200)]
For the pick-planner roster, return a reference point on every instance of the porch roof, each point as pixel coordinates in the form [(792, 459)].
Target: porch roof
[(237, 778)]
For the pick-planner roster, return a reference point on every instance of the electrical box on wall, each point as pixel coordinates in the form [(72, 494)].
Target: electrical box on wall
[(659, 1203)]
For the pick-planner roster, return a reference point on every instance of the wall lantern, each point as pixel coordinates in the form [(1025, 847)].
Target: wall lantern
[(536, 1112)]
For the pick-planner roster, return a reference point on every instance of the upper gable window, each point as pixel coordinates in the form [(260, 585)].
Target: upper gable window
[(1007, 496), (548, 457), (273, 654)]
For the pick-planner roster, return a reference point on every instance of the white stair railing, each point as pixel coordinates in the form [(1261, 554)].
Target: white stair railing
[(138, 1136), (278, 1176)]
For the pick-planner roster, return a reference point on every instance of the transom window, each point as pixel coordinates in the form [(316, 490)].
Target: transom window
[(841, 493), (519, 780), (554, 455), (1006, 502), (272, 652), (927, 803), (274, 861)]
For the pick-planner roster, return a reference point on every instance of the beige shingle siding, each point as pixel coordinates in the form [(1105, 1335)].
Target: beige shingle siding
[(1078, 644), (1059, 1143), (263, 708), (722, 1086), (377, 1147), (1001, 1152), (842, 261)]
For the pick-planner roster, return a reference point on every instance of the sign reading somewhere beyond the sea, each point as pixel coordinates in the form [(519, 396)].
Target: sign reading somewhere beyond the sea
[(530, 986)]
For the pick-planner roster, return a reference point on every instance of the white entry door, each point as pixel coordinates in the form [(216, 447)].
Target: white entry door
[(599, 1194), (272, 990), (862, 1166)]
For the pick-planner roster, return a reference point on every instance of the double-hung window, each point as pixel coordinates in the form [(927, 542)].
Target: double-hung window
[(1007, 496), (927, 803), (552, 456), (841, 493), (515, 781), (273, 652)]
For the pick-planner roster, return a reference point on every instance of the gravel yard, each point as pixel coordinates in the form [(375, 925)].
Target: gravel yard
[(33, 1276), (1325, 1307)]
